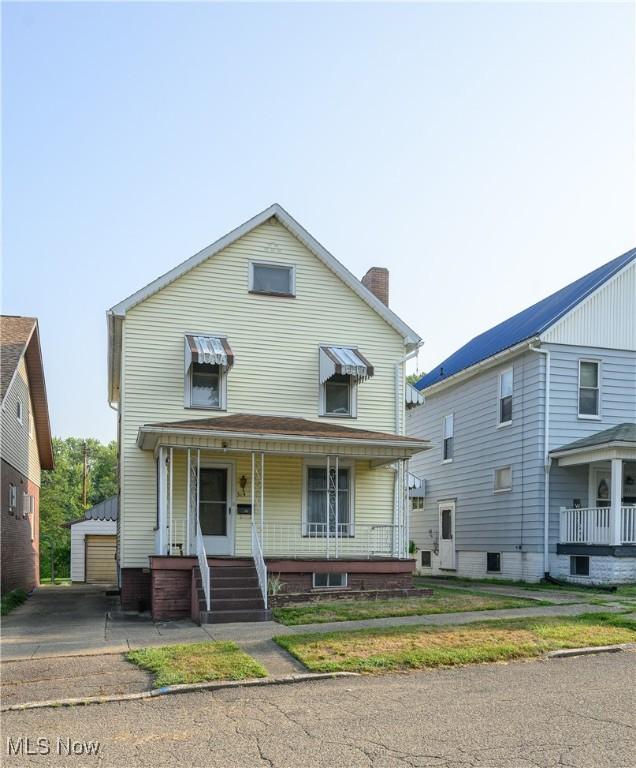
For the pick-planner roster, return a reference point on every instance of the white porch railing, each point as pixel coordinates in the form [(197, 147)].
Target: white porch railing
[(628, 525), (204, 568), (259, 562), (592, 525), (319, 540)]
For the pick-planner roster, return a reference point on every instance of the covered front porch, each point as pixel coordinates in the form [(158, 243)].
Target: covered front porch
[(288, 496)]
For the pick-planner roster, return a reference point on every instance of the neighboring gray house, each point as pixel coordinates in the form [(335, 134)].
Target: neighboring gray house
[(533, 466)]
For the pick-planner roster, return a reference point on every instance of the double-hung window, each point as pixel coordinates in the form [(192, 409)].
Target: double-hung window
[(272, 279), (447, 438), (338, 395), (589, 400), (505, 397), (324, 515), (207, 361)]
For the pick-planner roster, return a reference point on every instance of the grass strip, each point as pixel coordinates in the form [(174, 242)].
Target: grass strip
[(626, 590), (12, 600), (407, 647), (196, 663), (443, 600)]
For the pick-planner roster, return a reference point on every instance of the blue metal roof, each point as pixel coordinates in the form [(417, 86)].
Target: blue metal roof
[(526, 324)]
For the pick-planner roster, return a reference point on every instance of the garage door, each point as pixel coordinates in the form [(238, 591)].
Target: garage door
[(100, 559)]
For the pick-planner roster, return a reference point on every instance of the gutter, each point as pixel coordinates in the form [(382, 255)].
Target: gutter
[(547, 460)]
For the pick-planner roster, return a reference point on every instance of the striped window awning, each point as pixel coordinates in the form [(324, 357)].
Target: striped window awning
[(345, 361), (413, 397), (209, 350)]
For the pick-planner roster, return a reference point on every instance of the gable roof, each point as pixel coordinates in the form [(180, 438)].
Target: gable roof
[(528, 324), (20, 338), (118, 311)]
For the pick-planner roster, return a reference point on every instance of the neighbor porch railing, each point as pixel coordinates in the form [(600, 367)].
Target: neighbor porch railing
[(204, 568), (259, 563), (320, 540), (592, 525), (628, 525)]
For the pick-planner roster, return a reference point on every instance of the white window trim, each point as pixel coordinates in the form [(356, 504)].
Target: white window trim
[(342, 463), (494, 479), (259, 263), (329, 574), (500, 375), (13, 496), (590, 416), (19, 411), (353, 396), (452, 415), (421, 563)]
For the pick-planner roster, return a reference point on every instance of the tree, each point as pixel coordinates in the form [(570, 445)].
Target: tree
[(61, 495), (413, 378)]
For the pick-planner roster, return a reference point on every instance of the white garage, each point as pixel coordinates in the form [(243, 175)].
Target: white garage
[(94, 544)]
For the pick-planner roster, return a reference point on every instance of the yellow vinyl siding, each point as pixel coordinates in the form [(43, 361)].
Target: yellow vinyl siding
[(18, 448), (275, 342)]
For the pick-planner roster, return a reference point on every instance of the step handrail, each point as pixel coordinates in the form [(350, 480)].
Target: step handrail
[(204, 568), (259, 563)]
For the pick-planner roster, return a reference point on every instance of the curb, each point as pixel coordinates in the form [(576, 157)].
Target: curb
[(183, 688), (568, 652)]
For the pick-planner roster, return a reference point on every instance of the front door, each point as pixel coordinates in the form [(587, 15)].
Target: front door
[(215, 510), (447, 535)]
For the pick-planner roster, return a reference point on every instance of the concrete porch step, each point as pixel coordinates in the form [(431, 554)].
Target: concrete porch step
[(225, 617)]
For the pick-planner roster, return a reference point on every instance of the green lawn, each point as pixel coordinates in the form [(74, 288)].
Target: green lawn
[(626, 590), (403, 648), (443, 600), (196, 663), (12, 600)]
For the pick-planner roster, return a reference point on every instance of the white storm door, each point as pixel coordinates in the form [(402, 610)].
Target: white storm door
[(215, 510), (447, 535)]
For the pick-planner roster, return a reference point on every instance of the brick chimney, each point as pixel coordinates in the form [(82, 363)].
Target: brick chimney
[(377, 281)]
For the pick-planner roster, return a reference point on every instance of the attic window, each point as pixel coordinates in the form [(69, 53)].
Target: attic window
[(19, 411), (272, 279)]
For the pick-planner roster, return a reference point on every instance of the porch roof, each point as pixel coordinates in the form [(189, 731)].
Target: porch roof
[(615, 442), (252, 431)]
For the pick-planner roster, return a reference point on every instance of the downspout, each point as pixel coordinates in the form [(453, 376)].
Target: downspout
[(399, 409), (546, 462)]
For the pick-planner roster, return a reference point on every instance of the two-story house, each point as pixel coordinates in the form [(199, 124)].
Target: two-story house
[(260, 390), (25, 450), (533, 466)]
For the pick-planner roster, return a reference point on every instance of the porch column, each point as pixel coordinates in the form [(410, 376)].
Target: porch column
[(615, 501), (162, 522)]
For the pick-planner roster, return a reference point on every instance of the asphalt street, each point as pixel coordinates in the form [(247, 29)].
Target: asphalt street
[(570, 713)]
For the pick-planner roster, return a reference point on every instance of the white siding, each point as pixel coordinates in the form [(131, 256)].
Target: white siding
[(18, 447), (78, 533), (275, 343), (605, 319)]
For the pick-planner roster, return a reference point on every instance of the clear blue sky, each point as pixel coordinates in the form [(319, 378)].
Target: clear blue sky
[(483, 152)]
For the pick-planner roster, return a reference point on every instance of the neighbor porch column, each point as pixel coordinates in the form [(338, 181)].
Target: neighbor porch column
[(615, 503)]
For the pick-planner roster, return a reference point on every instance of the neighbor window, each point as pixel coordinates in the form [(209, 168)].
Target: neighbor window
[(588, 388), (503, 479), (447, 448), (338, 394), (13, 496), (19, 411), (505, 397), (205, 386), (273, 279), (425, 558), (493, 562), (321, 510), (417, 502), (579, 565), (333, 580)]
